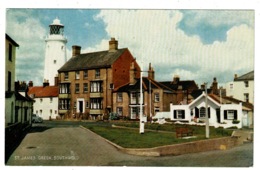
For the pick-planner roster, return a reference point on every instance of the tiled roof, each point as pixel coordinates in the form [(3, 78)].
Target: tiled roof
[(40, 91), (135, 87), (247, 76), (229, 100), (186, 84), (101, 59)]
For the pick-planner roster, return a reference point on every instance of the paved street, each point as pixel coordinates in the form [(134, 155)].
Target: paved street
[(70, 145)]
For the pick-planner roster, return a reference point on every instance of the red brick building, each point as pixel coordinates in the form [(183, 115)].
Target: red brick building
[(156, 96), (87, 80)]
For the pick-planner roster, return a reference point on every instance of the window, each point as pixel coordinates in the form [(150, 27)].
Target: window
[(87, 104), (85, 74), (156, 97), (246, 97), (246, 84), (230, 114), (156, 109), (9, 81), (133, 98), (202, 112), (77, 75), (51, 99), (119, 111), (96, 86), (96, 103), (66, 76), (119, 97), (41, 100), (231, 86), (134, 112), (179, 114), (64, 104), (77, 88), (54, 61), (64, 88), (85, 87), (10, 56), (97, 73)]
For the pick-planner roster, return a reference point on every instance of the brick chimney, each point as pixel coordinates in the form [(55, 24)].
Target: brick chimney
[(113, 45), (76, 50), (150, 72), (235, 76), (56, 80), (30, 84), (46, 83), (176, 79), (132, 79), (214, 86)]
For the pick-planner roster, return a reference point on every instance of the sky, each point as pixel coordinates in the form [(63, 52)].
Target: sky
[(193, 44)]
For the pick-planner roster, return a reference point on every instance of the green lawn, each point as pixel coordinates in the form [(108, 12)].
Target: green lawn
[(130, 138)]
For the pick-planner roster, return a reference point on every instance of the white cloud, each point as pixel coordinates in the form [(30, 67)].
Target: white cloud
[(153, 36), (28, 32)]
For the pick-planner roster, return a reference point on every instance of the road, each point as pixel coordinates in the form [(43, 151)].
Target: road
[(67, 144)]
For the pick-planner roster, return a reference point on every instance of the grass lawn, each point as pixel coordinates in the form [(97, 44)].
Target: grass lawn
[(130, 138)]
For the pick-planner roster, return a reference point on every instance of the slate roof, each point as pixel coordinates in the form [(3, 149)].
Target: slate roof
[(135, 87), (40, 91), (186, 84), (94, 60), (247, 76), (228, 100), (11, 40)]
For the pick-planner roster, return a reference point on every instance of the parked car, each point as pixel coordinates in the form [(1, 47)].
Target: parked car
[(36, 119)]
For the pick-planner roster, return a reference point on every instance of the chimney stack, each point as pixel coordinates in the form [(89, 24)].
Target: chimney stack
[(150, 72), (176, 79), (30, 84), (56, 80), (113, 45), (132, 79), (76, 50), (46, 83), (235, 76)]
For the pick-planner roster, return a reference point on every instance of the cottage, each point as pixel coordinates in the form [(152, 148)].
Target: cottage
[(222, 112), (46, 100)]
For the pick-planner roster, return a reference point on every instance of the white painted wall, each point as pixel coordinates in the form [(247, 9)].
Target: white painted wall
[(45, 108), (55, 56), (237, 89)]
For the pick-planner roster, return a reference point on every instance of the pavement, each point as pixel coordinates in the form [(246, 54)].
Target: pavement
[(75, 146)]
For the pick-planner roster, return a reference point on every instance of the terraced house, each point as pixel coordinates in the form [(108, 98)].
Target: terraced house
[(86, 81), (156, 96)]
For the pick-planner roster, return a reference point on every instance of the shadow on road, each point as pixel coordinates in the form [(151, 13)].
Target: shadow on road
[(15, 140)]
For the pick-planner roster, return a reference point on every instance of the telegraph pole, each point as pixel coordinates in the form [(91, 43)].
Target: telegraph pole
[(207, 117), (141, 130)]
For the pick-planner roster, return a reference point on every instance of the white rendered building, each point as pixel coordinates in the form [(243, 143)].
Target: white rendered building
[(222, 112), (46, 100), (55, 51), (242, 88)]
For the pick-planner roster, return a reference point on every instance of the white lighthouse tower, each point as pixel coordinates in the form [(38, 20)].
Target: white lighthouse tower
[(55, 51)]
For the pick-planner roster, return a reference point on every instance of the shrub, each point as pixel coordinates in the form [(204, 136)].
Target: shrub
[(235, 121)]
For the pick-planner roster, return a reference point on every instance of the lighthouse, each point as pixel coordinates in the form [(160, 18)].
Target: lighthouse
[(55, 50)]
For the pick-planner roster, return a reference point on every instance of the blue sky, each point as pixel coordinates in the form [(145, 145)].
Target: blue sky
[(194, 44)]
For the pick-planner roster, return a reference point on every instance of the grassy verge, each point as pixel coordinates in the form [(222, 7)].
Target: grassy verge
[(130, 138)]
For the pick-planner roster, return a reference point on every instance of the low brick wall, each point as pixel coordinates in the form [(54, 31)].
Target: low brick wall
[(180, 149), (185, 148)]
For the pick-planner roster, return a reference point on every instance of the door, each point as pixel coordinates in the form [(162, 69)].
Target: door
[(218, 115), (81, 106)]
